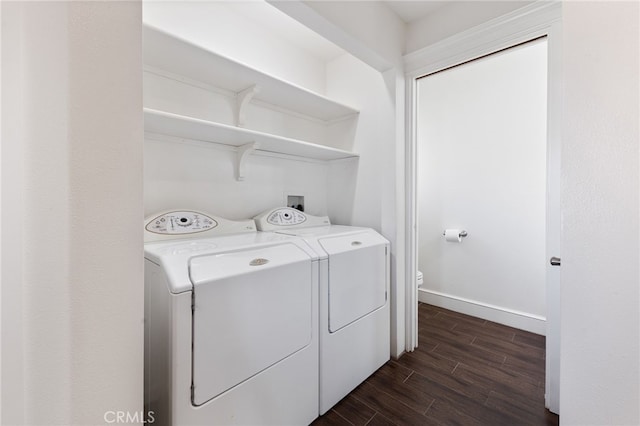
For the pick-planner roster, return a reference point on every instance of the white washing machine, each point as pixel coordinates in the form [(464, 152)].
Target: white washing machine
[(354, 298), (231, 328)]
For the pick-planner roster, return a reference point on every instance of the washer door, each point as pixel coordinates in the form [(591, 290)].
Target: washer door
[(252, 309), (357, 276)]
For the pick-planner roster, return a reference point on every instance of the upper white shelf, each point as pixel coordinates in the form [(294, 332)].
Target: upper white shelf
[(167, 123), (177, 56)]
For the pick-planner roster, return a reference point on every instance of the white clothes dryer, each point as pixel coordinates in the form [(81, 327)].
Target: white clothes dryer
[(231, 328), (354, 297)]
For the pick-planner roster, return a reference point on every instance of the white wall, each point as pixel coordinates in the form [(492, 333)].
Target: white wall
[(355, 195), (75, 142), (1, 258), (600, 323), (11, 181), (220, 26), (201, 176), (452, 18), (482, 167)]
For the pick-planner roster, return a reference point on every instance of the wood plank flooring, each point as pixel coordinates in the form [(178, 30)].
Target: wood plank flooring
[(466, 371)]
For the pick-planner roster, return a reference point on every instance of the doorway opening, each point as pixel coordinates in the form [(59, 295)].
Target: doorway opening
[(479, 43), (481, 180)]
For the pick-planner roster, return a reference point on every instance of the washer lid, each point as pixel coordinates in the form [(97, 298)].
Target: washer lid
[(252, 309), (207, 268), (174, 257)]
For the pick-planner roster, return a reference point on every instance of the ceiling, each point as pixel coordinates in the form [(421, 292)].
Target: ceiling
[(410, 11), (277, 22)]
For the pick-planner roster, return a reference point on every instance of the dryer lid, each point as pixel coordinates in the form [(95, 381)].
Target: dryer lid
[(358, 276), (358, 239)]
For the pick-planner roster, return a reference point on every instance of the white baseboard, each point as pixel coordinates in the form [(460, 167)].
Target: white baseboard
[(520, 320)]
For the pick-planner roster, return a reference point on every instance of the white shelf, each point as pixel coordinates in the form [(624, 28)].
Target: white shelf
[(171, 54), (181, 126)]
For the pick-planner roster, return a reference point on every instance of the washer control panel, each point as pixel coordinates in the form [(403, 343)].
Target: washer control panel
[(180, 222), (185, 223), (286, 218)]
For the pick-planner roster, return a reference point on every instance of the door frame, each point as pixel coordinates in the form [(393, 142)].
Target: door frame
[(540, 19)]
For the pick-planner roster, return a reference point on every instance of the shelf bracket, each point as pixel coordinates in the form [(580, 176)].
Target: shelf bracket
[(243, 152), (243, 98)]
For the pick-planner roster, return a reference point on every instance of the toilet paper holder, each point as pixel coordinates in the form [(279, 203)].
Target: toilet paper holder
[(462, 233)]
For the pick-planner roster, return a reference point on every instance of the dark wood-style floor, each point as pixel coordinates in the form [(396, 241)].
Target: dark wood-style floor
[(466, 371)]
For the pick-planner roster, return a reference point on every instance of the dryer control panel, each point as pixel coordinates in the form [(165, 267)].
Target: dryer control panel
[(286, 217), (183, 223)]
